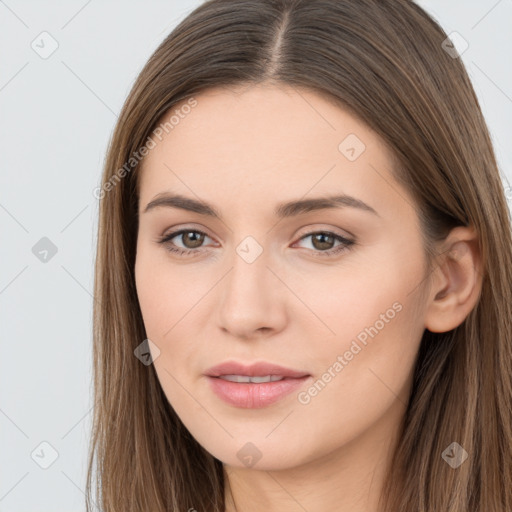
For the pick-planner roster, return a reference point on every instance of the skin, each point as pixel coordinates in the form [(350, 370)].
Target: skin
[(244, 150)]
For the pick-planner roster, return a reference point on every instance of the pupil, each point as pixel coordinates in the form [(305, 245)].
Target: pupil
[(195, 243), (323, 244)]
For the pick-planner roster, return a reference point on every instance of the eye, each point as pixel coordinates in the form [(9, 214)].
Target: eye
[(324, 242), (192, 239)]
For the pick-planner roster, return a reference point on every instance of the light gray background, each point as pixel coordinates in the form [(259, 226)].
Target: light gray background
[(56, 118)]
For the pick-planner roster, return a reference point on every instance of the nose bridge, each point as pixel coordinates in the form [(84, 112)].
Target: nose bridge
[(248, 279), (250, 291)]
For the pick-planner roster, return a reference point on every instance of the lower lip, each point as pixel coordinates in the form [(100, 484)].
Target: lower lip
[(252, 395)]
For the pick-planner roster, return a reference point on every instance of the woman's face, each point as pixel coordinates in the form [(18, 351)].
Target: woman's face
[(284, 276)]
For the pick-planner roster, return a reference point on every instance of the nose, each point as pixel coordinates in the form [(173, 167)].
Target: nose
[(251, 299)]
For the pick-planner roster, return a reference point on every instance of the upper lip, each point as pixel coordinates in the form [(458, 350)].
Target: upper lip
[(259, 369)]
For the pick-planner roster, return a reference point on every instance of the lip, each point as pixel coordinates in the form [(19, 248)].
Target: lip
[(259, 369), (254, 395)]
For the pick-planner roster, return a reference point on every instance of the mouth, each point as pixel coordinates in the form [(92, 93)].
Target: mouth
[(259, 369), (255, 380), (254, 386)]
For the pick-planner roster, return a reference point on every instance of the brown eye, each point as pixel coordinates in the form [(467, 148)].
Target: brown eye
[(192, 239), (323, 241)]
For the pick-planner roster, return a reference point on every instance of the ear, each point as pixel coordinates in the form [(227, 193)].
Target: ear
[(456, 281)]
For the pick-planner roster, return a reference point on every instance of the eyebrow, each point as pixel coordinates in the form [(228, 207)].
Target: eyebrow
[(282, 210)]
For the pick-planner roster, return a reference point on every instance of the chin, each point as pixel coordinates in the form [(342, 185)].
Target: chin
[(259, 453)]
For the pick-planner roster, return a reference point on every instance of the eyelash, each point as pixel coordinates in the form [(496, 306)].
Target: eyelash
[(345, 243)]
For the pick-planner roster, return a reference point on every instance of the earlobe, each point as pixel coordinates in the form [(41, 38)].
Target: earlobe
[(457, 281)]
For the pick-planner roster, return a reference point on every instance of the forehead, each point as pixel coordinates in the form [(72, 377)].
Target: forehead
[(261, 142)]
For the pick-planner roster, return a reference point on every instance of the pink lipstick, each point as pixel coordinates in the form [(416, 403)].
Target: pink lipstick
[(254, 386)]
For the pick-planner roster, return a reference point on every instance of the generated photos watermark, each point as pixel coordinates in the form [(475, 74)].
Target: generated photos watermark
[(357, 345), (137, 156)]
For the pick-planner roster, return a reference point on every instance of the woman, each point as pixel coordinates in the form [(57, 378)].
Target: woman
[(304, 271)]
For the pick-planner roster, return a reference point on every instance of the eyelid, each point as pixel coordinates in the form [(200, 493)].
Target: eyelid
[(173, 230), (315, 228), (173, 233)]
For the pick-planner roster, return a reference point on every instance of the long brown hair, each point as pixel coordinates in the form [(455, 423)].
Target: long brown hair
[(385, 61)]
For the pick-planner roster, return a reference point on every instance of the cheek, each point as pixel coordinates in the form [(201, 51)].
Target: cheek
[(151, 295), (346, 301), (173, 301), (368, 361), (165, 293), (373, 368), (163, 304), (361, 376)]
